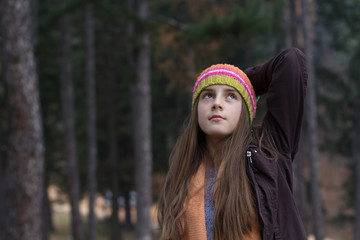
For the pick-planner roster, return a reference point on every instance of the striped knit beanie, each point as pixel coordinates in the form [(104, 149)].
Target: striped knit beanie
[(225, 74)]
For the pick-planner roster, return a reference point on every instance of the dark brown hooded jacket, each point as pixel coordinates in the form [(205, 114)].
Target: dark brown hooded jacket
[(283, 78)]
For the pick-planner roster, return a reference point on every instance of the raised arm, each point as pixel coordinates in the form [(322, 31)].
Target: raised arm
[(283, 78)]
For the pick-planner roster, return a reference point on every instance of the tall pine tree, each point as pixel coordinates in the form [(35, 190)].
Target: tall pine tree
[(25, 152)]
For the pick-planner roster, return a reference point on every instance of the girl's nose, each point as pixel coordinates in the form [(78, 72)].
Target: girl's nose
[(217, 104)]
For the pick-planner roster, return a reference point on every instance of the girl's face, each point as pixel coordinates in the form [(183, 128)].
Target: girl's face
[(219, 110)]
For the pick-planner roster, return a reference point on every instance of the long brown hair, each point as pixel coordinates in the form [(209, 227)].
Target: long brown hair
[(236, 210), (185, 159)]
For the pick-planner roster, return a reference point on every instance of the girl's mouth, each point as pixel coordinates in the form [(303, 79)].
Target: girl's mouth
[(216, 118)]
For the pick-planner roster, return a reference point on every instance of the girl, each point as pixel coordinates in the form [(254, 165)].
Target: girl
[(227, 179)]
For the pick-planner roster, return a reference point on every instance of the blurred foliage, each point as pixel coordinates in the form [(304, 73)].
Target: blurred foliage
[(342, 21)]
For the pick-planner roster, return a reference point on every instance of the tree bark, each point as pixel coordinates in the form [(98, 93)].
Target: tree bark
[(67, 102), (293, 21), (299, 166), (128, 223), (25, 153), (113, 150), (34, 25), (2, 192), (356, 158), (112, 119), (141, 109), (311, 117), (91, 106), (130, 30), (289, 17)]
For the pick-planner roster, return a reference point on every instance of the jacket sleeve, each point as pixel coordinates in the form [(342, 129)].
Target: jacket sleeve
[(283, 78)]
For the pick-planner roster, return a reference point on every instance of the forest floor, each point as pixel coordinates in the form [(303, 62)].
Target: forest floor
[(63, 232), (336, 176)]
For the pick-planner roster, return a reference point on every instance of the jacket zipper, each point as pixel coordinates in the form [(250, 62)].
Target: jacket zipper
[(248, 155)]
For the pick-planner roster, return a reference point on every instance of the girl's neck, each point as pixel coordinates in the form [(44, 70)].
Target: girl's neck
[(214, 156)]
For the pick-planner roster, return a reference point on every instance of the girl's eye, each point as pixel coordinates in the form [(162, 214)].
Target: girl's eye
[(207, 95), (231, 96)]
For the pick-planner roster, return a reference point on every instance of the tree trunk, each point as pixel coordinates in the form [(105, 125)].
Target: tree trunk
[(2, 184), (287, 23), (67, 102), (141, 109), (356, 158), (25, 153), (311, 117), (113, 150), (128, 223), (290, 18), (34, 25), (141, 102), (130, 4), (112, 119), (293, 24), (91, 106), (299, 166)]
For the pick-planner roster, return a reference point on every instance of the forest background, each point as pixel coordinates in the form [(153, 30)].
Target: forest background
[(93, 95)]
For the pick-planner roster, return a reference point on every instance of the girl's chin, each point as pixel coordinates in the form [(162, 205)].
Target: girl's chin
[(217, 136)]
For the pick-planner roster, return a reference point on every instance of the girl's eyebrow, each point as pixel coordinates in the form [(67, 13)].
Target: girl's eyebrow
[(231, 90), (212, 89), (208, 90)]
